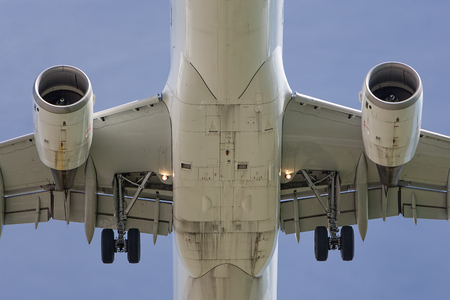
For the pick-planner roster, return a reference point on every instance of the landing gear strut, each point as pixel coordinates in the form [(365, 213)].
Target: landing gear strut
[(322, 242), (132, 245)]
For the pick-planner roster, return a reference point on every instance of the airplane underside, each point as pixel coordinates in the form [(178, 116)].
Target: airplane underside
[(225, 281), (226, 107), (226, 157)]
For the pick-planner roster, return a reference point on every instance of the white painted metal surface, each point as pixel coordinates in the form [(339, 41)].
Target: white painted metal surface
[(391, 130), (225, 282), (90, 199), (361, 196), (226, 93), (63, 132)]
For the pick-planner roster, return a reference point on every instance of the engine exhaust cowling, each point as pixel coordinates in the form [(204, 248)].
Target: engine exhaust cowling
[(391, 97), (63, 117)]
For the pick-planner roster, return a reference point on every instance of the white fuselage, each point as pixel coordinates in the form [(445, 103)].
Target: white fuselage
[(226, 94)]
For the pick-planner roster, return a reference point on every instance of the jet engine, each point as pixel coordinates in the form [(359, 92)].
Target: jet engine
[(391, 99), (63, 114)]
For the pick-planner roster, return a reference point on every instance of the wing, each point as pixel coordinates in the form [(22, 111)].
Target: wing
[(132, 139), (321, 136)]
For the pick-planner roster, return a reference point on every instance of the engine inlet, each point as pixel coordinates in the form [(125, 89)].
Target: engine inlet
[(391, 84), (62, 89)]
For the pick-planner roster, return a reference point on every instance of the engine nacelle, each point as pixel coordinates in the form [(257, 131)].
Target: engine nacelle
[(391, 97), (63, 118)]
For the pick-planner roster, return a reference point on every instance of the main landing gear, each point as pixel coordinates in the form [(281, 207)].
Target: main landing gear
[(345, 243), (322, 242), (132, 245)]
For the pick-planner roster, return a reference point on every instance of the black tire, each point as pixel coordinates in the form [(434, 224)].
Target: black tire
[(321, 243), (347, 243), (108, 246), (134, 246)]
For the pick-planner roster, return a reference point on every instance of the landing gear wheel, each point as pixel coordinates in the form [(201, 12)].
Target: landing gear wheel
[(134, 246), (108, 246), (347, 243), (321, 243)]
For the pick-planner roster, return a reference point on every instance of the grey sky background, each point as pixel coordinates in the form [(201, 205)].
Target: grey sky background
[(329, 46)]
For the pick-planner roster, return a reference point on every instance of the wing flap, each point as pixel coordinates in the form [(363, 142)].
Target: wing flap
[(25, 208), (21, 209), (429, 204), (141, 216)]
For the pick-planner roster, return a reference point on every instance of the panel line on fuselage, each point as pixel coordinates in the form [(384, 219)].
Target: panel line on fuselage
[(201, 77), (251, 80)]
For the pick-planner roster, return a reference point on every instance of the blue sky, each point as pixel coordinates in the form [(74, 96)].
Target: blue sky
[(329, 46)]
